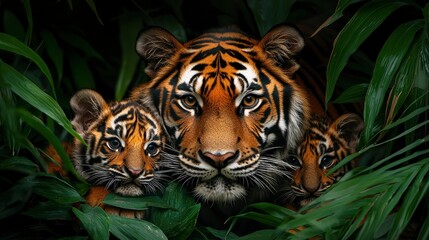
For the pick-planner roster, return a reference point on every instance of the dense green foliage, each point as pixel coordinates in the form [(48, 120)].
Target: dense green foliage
[(50, 49)]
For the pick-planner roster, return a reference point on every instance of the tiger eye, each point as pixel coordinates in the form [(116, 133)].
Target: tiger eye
[(249, 101), (293, 160), (189, 101), (326, 161), (152, 149), (114, 144)]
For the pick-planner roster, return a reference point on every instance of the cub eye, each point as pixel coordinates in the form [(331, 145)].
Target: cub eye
[(189, 101), (114, 144), (293, 160), (250, 101), (326, 161), (152, 149)]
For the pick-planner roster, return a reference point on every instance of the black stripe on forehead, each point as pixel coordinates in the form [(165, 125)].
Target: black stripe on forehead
[(123, 117), (255, 86), (316, 135), (237, 66), (199, 67), (203, 54), (219, 49), (237, 54), (209, 39), (219, 62), (265, 80), (147, 117)]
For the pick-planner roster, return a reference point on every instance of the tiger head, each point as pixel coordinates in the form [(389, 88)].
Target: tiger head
[(322, 147), (124, 140), (230, 105)]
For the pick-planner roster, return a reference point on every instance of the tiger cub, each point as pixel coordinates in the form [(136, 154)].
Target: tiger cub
[(125, 140), (322, 147)]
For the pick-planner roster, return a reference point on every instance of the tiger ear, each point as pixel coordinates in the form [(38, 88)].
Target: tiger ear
[(87, 106), (349, 126), (156, 46), (282, 43)]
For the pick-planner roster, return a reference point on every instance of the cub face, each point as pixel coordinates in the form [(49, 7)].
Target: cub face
[(323, 146), (124, 143)]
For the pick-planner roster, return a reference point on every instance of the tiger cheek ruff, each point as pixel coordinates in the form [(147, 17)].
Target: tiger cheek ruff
[(230, 105)]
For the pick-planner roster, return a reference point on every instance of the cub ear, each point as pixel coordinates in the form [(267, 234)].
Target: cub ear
[(282, 43), (349, 126), (156, 46), (87, 106)]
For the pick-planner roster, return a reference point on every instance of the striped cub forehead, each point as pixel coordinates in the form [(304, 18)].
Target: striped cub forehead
[(321, 138), (128, 118)]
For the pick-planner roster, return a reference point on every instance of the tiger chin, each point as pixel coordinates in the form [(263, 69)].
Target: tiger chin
[(230, 104), (323, 146), (124, 144)]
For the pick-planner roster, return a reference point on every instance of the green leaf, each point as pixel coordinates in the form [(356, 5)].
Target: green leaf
[(409, 116), (14, 199), (269, 13), (383, 162), (176, 7), (134, 203), (415, 193), (177, 223), (52, 188), (13, 26), (260, 234), (54, 52), (170, 23), (32, 94), (29, 15), (126, 228), (341, 6), (94, 9), (410, 73), (13, 45), (82, 44), (129, 25), (383, 206), (221, 234), (82, 74), (346, 204), (424, 230), (94, 220), (41, 128), (387, 64), (263, 218), (352, 94), (18, 164), (354, 33), (50, 210), (273, 210)]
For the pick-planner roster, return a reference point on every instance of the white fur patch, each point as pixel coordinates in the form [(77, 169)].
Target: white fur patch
[(219, 191)]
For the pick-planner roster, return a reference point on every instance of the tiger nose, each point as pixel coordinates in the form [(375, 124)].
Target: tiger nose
[(219, 160), (133, 172)]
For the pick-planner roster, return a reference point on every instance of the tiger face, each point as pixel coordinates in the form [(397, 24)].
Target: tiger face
[(230, 105), (124, 144), (322, 147)]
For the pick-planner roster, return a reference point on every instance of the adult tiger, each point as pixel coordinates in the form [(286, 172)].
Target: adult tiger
[(231, 105), (125, 140), (324, 145)]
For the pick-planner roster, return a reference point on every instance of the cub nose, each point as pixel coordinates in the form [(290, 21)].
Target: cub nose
[(132, 172), (218, 160)]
